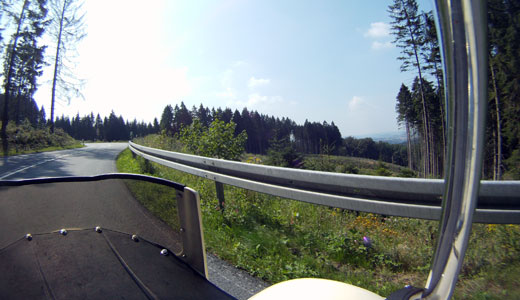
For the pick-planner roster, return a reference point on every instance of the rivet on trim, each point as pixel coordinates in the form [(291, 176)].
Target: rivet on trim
[(98, 229), (28, 237), (63, 231), (164, 252), (135, 238)]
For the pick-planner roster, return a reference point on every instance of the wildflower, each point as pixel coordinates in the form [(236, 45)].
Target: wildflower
[(491, 227), (367, 242)]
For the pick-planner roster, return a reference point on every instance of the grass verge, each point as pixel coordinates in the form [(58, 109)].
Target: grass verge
[(278, 239), (25, 138)]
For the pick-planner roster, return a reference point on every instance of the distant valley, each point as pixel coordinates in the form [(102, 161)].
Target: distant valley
[(396, 137)]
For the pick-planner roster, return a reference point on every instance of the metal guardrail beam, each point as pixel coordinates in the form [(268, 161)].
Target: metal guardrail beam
[(499, 201)]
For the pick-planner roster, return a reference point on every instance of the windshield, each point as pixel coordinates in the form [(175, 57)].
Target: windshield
[(94, 237)]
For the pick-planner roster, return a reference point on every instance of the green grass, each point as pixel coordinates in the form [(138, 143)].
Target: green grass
[(278, 239), (354, 165)]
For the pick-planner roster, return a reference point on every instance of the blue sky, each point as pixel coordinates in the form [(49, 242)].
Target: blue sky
[(315, 60)]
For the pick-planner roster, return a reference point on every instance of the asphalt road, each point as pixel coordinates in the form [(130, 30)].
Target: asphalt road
[(93, 159), (120, 213)]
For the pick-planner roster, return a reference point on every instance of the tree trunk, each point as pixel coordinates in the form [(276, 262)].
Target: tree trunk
[(10, 69), (426, 125), (423, 100), (497, 168), (443, 132), (409, 146), (495, 163), (417, 151), (433, 167), (443, 116), (56, 64), (17, 110)]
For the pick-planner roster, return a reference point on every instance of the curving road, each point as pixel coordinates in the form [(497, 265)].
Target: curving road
[(94, 159), (99, 158)]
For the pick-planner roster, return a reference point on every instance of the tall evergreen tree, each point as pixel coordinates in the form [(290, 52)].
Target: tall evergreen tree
[(432, 56), (503, 147), (156, 127), (407, 28), (23, 57), (167, 120), (203, 115), (181, 117), (99, 128), (406, 115)]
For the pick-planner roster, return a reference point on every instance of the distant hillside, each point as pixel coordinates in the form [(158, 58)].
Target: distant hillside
[(396, 137)]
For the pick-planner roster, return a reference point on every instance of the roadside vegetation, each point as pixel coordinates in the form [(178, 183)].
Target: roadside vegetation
[(25, 138), (278, 239)]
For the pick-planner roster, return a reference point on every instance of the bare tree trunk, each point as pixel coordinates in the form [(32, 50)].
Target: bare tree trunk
[(443, 134), (495, 162), (497, 170), (417, 148), (432, 153), (409, 146), (17, 110), (443, 116), (426, 125), (56, 64)]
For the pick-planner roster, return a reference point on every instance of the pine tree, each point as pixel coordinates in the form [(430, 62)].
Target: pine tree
[(406, 115), (181, 117), (432, 56), (24, 58), (167, 120), (407, 28), (504, 87), (99, 128)]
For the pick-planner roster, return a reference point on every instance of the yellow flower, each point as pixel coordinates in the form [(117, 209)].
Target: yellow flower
[(491, 227)]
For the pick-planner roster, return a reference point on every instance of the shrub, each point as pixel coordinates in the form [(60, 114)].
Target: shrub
[(216, 141)]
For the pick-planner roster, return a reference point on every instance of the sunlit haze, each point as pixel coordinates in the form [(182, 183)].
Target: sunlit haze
[(315, 60)]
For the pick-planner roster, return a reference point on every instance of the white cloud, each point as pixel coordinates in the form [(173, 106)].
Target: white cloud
[(227, 84), (379, 33), (376, 45), (256, 101), (256, 82), (355, 103), (378, 30), (229, 93)]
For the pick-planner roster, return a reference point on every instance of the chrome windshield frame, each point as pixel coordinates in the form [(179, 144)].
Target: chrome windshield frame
[(462, 29)]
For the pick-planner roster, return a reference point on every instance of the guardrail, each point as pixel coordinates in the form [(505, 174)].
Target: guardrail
[(499, 201)]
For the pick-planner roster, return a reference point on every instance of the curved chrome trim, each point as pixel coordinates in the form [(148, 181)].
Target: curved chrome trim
[(99, 177), (462, 31)]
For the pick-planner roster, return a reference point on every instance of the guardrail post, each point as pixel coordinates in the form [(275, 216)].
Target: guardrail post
[(219, 187)]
